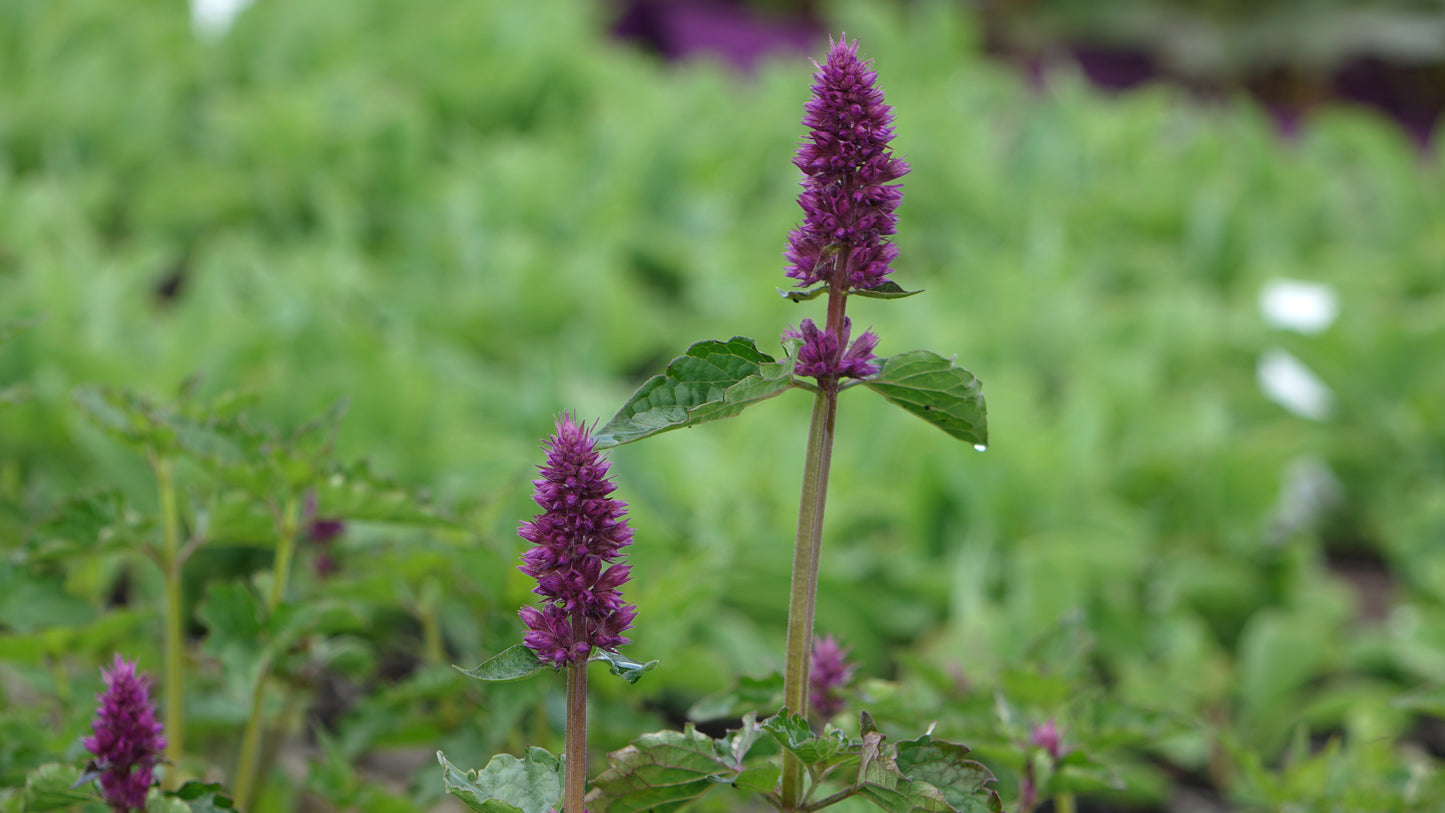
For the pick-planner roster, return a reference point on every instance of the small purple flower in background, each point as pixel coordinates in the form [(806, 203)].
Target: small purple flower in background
[(322, 532), (829, 672), (576, 539), (847, 201), (819, 356), (1046, 736), (127, 740)]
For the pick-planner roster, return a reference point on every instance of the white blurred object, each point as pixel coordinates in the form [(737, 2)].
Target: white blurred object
[(212, 18), (1304, 307), (1292, 385)]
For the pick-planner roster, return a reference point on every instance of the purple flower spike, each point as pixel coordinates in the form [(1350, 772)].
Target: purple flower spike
[(819, 357), (576, 539), (830, 671), (848, 203), (127, 740)]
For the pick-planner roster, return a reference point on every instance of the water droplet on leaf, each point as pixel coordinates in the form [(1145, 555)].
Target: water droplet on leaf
[(979, 447)]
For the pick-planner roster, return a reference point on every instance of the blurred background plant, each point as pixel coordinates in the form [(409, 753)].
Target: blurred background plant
[(465, 217)]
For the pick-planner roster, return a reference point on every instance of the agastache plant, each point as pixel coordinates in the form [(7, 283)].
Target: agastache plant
[(127, 741), (831, 671), (842, 248), (577, 542)]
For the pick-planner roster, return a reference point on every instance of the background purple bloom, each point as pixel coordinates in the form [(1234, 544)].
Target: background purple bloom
[(848, 203), (576, 538), (127, 740), (828, 673)]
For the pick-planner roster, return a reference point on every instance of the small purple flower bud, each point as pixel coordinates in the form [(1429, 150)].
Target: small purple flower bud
[(576, 539), (819, 357), (848, 203), (829, 672), (127, 740), (1046, 736)]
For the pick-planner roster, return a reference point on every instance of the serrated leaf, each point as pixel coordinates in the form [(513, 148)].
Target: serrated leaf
[(762, 779), (127, 417), (944, 765), (931, 387), (532, 784), (53, 787), (623, 666), (661, 771), (513, 663), (825, 750), (97, 523), (803, 296), (355, 493), (202, 797), (712, 381), (907, 797), (886, 290)]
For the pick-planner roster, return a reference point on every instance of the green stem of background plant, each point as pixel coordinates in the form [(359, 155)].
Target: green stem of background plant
[(248, 762), (1064, 803), (574, 787), (175, 721)]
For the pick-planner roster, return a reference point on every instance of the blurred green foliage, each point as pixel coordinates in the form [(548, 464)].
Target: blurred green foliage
[(467, 217)]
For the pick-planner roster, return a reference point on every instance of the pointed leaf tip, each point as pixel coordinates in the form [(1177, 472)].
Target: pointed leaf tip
[(513, 663), (934, 389), (623, 666), (712, 381)]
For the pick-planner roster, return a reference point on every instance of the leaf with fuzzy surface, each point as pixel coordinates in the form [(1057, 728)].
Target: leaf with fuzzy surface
[(931, 387), (532, 784), (712, 381), (661, 771), (513, 663)]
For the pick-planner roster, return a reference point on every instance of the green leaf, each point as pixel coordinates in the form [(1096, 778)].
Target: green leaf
[(661, 771), (887, 290), (824, 751), (127, 417), (963, 782), (803, 296), (355, 493), (202, 797), (750, 694), (507, 785), (97, 523), (712, 381), (53, 787), (762, 779), (623, 666), (932, 388), (513, 663)]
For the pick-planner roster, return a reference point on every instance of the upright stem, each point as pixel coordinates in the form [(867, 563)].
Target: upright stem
[(174, 642), (575, 777), (249, 760), (803, 595)]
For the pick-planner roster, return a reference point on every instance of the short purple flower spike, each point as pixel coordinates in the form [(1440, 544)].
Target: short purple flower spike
[(820, 355), (127, 740), (576, 539), (848, 203), (829, 672)]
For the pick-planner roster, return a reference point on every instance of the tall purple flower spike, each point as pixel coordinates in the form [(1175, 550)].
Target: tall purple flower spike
[(821, 354), (127, 740), (829, 672), (848, 203), (577, 538)]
